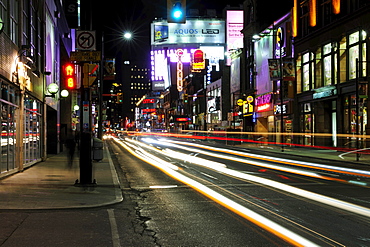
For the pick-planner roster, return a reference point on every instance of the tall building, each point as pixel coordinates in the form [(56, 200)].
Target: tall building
[(136, 83)]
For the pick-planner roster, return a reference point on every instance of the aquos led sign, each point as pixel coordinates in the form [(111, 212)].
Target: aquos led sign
[(193, 31)]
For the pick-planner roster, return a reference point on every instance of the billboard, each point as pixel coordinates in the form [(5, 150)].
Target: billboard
[(160, 33), (193, 31), (234, 25), (161, 60), (109, 69)]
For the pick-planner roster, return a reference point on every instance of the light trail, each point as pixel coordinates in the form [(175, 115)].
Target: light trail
[(252, 162), (350, 207), (343, 170), (244, 212)]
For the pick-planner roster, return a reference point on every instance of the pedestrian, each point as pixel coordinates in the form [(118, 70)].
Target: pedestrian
[(77, 139), (70, 144)]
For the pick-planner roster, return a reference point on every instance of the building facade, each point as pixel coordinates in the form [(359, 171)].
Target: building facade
[(32, 45), (331, 52)]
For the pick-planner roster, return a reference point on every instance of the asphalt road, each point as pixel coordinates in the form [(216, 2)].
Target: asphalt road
[(204, 204), (318, 206)]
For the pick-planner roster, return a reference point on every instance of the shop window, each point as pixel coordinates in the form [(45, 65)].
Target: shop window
[(299, 74), (356, 51), (306, 80), (318, 69), (327, 62), (306, 123), (335, 63), (353, 55), (363, 61), (342, 60)]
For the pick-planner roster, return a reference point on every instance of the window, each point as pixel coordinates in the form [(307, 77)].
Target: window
[(327, 59), (342, 60), (299, 74), (324, 9), (356, 51), (306, 71), (4, 14), (318, 69), (13, 14), (305, 17), (26, 22)]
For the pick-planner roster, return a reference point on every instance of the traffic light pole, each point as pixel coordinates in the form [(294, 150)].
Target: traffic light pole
[(101, 90), (85, 136)]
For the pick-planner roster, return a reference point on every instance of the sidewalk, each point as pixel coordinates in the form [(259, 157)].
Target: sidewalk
[(51, 185)]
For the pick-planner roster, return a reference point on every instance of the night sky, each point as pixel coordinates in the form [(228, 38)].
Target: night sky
[(115, 17)]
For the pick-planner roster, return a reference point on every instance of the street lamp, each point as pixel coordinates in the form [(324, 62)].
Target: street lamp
[(127, 35), (53, 89)]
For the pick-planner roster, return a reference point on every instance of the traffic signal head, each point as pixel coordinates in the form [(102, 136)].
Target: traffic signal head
[(69, 76), (176, 11), (119, 98)]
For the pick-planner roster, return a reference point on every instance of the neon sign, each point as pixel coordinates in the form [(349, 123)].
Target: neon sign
[(179, 54), (264, 107)]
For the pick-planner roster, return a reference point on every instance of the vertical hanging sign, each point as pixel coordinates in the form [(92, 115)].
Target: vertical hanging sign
[(179, 54)]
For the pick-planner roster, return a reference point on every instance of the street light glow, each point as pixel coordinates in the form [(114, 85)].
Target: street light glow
[(127, 35)]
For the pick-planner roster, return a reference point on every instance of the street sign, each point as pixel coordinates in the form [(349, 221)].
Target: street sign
[(86, 56), (85, 40), (240, 102)]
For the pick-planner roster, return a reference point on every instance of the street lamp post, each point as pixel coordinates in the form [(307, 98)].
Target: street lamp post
[(281, 99), (100, 88)]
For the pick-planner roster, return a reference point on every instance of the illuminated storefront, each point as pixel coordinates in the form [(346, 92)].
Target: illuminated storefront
[(275, 80), (332, 99)]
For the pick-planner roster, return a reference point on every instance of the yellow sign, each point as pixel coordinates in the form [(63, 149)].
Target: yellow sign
[(86, 56), (240, 102)]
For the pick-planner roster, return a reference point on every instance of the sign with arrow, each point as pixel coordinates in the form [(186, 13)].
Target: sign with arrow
[(85, 40)]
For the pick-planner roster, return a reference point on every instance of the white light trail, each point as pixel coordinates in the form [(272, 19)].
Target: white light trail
[(248, 214), (299, 163), (277, 185)]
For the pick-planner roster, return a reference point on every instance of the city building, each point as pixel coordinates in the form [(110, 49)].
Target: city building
[(331, 40), (34, 43), (136, 83), (307, 70)]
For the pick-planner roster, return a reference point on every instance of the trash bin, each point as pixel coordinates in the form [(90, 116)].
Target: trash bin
[(97, 149)]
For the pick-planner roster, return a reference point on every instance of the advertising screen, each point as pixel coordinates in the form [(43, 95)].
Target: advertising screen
[(234, 24), (160, 33), (193, 31)]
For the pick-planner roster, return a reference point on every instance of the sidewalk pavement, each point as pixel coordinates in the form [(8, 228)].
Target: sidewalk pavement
[(51, 185)]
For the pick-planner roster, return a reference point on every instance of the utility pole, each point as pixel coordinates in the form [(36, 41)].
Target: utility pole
[(85, 133), (100, 89)]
